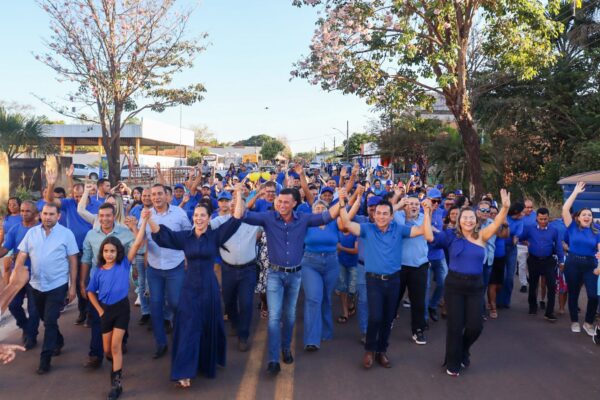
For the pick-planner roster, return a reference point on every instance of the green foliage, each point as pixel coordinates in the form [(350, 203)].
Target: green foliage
[(195, 157), (20, 133), (356, 140), (271, 148), (256, 140), (307, 156)]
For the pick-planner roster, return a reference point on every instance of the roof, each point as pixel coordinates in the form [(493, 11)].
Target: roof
[(591, 177), (150, 133)]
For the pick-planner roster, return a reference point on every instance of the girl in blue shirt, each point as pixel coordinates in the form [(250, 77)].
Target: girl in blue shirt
[(108, 291), (347, 248), (580, 265)]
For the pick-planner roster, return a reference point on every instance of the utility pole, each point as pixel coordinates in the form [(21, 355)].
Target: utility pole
[(334, 147), (347, 139)]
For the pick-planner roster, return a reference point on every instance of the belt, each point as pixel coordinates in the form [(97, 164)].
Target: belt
[(238, 266), (383, 277), (466, 277), (279, 268)]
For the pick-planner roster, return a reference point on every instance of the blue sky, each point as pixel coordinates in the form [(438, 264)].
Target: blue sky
[(246, 67)]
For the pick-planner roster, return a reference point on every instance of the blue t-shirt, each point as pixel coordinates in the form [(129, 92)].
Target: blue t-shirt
[(79, 226), (465, 257), (136, 211), (324, 240), (516, 228), (262, 205), (304, 208), (383, 250), (437, 222), (582, 242), (348, 241), (500, 250), (111, 285), (10, 221), (13, 238)]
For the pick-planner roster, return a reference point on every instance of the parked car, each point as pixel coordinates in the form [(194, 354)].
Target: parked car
[(314, 165), (85, 171)]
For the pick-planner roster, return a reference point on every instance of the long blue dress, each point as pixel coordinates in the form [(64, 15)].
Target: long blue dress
[(199, 342)]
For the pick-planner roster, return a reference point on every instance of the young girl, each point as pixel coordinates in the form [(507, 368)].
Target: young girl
[(108, 292)]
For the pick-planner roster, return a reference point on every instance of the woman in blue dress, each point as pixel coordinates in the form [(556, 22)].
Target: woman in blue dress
[(463, 293), (199, 342)]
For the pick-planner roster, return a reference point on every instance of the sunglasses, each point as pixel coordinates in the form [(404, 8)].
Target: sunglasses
[(436, 201), (484, 210)]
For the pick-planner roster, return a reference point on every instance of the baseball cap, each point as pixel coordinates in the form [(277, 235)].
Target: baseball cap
[(235, 177), (224, 196), (434, 194), (327, 189), (179, 186), (373, 201), (206, 185), (389, 182)]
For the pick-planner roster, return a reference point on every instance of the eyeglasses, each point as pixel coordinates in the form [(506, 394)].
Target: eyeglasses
[(484, 210), (436, 201)]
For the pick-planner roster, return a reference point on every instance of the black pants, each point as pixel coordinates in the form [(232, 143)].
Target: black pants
[(82, 302), (382, 298), (463, 296), (538, 267), (415, 279), (48, 305)]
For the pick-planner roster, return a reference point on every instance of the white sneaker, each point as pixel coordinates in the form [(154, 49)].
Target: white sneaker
[(575, 327), (588, 328), (137, 301)]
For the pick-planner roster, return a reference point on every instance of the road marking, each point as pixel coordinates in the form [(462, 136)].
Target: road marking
[(284, 388), (249, 383)]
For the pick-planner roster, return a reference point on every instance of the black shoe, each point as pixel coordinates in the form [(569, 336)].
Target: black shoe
[(30, 343), (144, 320), (542, 305), (287, 356), (168, 327), (44, 368), (433, 314), (418, 337), (532, 311), (466, 361), (160, 351), (311, 348), (81, 318), (523, 289), (93, 362), (58, 350), (550, 318), (273, 368), (115, 383)]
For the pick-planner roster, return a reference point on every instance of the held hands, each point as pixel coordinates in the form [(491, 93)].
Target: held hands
[(427, 206), (342, 194), (360, 189), (146, 214), (355, 169), (88, 187), (131, 222), (505, 196)]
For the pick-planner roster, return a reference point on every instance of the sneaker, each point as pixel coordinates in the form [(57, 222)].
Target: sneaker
[(596, 337), (452, 373), (575, 327), (406, 304), (550, 318), (137, 303), (589, 329), (419, 338)]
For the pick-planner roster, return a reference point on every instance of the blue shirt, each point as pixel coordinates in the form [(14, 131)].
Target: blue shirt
[(176, 201), (304, 208), (111, 285), (348, 241), (465, 257), (437, 222), (10, 221), (414, 252), (500, 250), (361, 219), (162, 258), (49, 256), (79, 226), (516, 228), (383, 250), (136, 211), (262, 205), (319, 240), (286, 239), (14, 237), (530, 219), (582, 242), (543, 242)]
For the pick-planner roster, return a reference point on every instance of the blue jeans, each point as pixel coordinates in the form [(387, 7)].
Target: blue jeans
[(142, 284), (580, 270), (48, 305), (164, 285), (487, 270), (320, 272), (383, 299), (28, 323), (282, 295), (503, 298), (347, 280), (438, 269), (362, 304), (238, 293)]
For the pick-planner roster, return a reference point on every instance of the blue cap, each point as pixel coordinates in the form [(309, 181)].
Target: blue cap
[(389, 182), (439, 186), (326, 189), (224, 196), (434, 194), (179, 186), (294, 175), (373, 201), (458, 192)]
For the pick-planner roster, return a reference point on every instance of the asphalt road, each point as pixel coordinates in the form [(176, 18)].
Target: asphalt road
[(517, 357)]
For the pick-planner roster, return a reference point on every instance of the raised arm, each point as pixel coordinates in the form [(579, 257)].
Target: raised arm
[(490, 230), (353, 227), (138, 242), (425, 228), (159, 175), (238, 212), (81, 206), (259, 194), (307, 193), (147, 215), (51, 178), (69, 174), (566, 209)]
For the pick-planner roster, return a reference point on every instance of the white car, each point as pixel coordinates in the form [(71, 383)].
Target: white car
[(85, 171), (314, 165)]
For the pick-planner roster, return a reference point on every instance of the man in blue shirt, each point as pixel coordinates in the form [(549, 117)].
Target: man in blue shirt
[(52, 251), (285, 230), (178, 192), (437, 259), (528, 218), (12, 239), (383, 252), (544, 243), (515, 226)]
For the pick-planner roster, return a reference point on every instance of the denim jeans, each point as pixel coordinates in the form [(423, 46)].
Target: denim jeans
[(142, 284), (503, 298), (383, 297), (82, 303), (347, 280), (48, 305), (164, 285), (362, 304), (28, 323), (238, 293), (320, 272), (282, 295), (580, 270), (439, 270)]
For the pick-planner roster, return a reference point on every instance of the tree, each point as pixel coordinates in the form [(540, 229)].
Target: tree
[(355, 141), (397, 54), (203, 136), (271, 148), (256, 140), (119, 53), (20, 134)]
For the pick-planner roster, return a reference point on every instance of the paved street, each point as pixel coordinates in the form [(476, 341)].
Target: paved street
[(517, 357)]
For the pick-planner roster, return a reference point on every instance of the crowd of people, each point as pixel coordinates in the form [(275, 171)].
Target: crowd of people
[(199, 252)]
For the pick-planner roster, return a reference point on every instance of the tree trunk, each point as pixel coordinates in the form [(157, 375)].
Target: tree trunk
[(470, 140), (111, 141)]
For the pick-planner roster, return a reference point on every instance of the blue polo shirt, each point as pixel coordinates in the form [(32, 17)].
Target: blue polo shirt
[(543, 242), (136, 211), (111, 285), (14, 237), (383, 250), (414, 252)]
